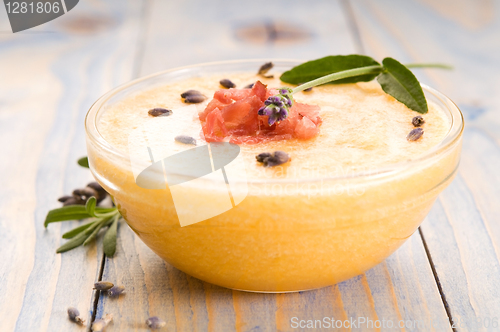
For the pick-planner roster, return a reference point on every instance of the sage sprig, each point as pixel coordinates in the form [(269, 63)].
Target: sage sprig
[(100, 218), (399, 82), (314, 69), (395, 78), (84, 162)]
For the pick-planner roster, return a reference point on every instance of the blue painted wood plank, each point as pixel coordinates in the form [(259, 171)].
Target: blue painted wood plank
[(464, 225), (50, 77), (399, 293), (193, 32), (462, 233), (402, 288)]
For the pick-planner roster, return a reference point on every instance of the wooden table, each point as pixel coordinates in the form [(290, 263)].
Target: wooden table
[(447, 272)]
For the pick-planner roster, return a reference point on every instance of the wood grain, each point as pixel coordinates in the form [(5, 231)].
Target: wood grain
[(53, 73), (402, 288), (194, 33), (50, 77), (462, 231)]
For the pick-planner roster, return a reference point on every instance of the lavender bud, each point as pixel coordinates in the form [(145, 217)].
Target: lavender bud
[(418, 121), (185, 139), (262, 156), (275, 159), (283, 113), (249, 86), (265, 68), (281, 156), (190, 93), (194, 99), (85, 193), (103, 285), (74, 201), (155, 323), (74, 315), (271, 162), (227, 83), (159, 112), (415, 134), (273, 118), (116, 291), (64, 198)]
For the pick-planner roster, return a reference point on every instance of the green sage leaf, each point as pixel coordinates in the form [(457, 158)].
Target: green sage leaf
[(97, 212), (109, 242), (399, 82), (75, 231), (100, 224), (314, 69), (70, 212), (75, 212), (73, 243), (90, 206), (79, 239), (84, 162)]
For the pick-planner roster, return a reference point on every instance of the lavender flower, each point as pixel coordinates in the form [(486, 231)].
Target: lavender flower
[(116, 291), (277, 107), (155, 323), (74, 315)]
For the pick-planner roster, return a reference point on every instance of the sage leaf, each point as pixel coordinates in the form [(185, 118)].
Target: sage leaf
[(73, 243), (314, 69), (90, 206), (100, 211), (79, 239), (75, 212), (75, 231), (84, 162), (109, 241), (92, 233), (97, 212), (69, 212), (399, 82)]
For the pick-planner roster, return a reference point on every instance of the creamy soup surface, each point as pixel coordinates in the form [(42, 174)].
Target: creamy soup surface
[(363, 128)]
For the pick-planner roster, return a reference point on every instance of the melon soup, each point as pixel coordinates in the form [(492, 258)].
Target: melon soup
[(346, 200)]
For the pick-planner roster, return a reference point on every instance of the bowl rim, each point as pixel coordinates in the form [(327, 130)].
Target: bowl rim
[(448, 142)]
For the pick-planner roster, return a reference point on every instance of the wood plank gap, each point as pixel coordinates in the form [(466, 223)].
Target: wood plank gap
[(436, 277), (97, 294), (139, 55), (352, 25), (141, 40)]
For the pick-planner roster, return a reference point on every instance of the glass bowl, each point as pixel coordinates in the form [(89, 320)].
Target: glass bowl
[(278, 242)]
